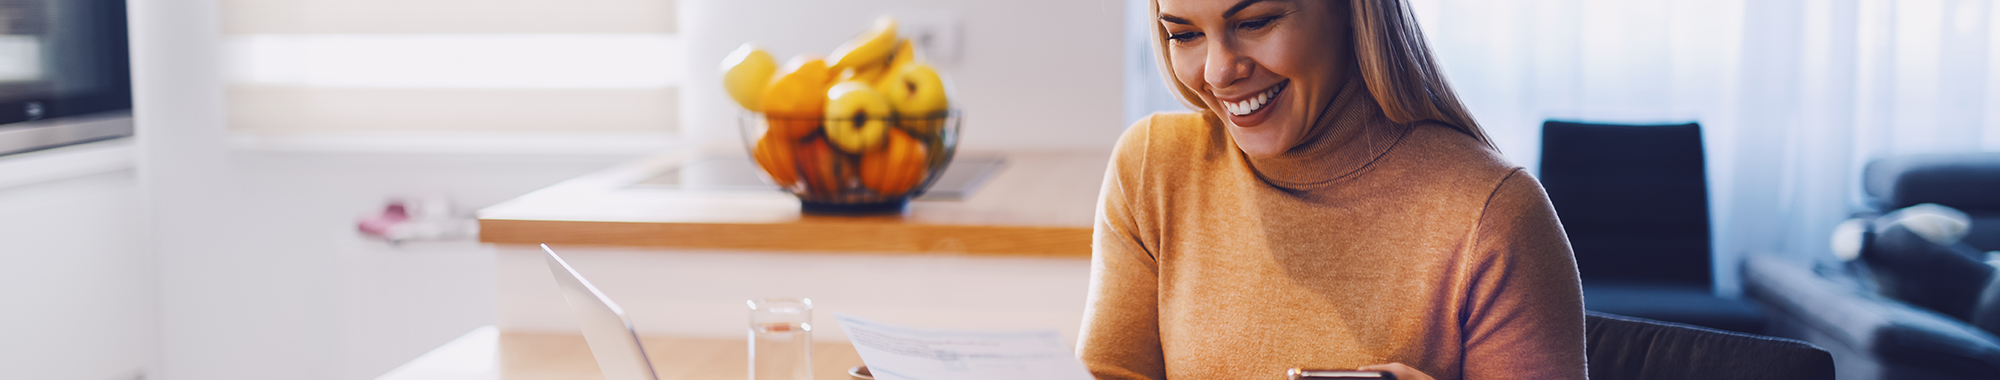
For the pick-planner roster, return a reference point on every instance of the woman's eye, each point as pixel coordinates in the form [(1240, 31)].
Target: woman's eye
[(1257, 23), (1183, 36)]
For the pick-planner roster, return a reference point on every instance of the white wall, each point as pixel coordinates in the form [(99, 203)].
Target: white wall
[(285, 288), (261, 274), (290, 281), (1034, 74)]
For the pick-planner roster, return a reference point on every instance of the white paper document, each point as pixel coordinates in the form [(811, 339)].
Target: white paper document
[(907, 353)]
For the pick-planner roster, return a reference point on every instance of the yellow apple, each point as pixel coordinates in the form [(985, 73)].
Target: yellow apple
[(856, 117), (919, 95)]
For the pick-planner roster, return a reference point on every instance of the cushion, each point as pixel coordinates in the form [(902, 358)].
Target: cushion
[(1935, 344), (1986, 311), (1944, 278), (1625, 348), (1985, 232)]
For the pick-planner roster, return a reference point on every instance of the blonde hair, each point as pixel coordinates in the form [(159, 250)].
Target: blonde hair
[(1394, 61)]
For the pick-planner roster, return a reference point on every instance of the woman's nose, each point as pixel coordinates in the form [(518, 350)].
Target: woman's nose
[(1225, 65)]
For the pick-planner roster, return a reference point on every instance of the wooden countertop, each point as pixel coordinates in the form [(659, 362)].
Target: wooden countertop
[(1038, 204), (487, 354)]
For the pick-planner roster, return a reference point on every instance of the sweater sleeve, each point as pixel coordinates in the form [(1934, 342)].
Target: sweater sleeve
[(1120, 337), (1524, 311)]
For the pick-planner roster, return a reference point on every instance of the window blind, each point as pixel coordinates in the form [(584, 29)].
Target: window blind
[(299, 67)]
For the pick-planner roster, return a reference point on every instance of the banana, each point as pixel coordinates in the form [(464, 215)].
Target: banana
[(745, 73), (871, 47), (864, 74), (906, 53)]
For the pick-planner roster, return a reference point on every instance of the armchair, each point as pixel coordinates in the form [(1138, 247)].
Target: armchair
[(1634, 201)]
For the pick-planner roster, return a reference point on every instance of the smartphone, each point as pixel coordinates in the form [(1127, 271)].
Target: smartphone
[(1312, 374)]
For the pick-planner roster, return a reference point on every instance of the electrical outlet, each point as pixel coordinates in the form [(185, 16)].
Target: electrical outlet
[(938, 36)]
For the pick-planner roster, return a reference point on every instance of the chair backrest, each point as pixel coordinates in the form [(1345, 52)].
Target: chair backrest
[(1633, 200), (1625, 348)]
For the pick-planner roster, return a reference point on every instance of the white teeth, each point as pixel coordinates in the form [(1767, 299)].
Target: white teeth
[(1251, 105), (1241, 108)]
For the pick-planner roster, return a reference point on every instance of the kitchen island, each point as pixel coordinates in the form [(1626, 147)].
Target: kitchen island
[(1032, 204)]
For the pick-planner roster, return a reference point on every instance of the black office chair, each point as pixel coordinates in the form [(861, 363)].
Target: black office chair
[(1624, 348), (1634, 201)]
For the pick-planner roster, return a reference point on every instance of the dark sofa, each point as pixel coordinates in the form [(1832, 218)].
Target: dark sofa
[(1879, 332), (1626, 348)]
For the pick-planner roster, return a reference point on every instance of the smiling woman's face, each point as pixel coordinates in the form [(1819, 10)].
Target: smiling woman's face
[(1268, 67)]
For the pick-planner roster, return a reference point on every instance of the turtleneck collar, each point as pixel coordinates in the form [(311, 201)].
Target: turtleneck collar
[(1351, 133)]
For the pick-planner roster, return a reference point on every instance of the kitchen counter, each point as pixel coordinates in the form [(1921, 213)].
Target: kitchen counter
[(1035, 204), (488, 354)]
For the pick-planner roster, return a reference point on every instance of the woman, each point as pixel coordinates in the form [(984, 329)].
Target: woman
[(1329, 205)]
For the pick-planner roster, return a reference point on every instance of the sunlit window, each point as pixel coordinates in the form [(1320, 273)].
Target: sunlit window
[(459, 68)]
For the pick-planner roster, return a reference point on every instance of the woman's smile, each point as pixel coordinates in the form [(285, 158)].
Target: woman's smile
[(1251, 110), (1265, 67)]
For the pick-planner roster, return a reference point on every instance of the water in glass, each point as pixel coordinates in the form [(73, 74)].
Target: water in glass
[(781, 339)]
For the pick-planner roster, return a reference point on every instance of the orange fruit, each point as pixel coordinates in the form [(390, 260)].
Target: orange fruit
[(796, 98), (897, 167), (824, 169), (774, 153)]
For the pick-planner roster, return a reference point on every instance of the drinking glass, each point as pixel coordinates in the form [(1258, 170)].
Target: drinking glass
[(781, 338)]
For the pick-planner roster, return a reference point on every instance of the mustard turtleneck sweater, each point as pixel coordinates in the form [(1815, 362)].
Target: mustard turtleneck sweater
[(1371, 242)]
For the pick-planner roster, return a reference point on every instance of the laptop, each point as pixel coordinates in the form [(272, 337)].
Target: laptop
[(610, 334)]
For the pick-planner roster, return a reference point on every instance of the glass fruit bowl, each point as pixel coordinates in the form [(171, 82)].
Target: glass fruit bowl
[(865, 165)]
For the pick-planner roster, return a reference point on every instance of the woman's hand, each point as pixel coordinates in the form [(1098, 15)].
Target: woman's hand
[(1402, 372)]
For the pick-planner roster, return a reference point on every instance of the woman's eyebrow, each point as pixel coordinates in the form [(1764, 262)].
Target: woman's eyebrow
[(1239, 7), (1233, 9)]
